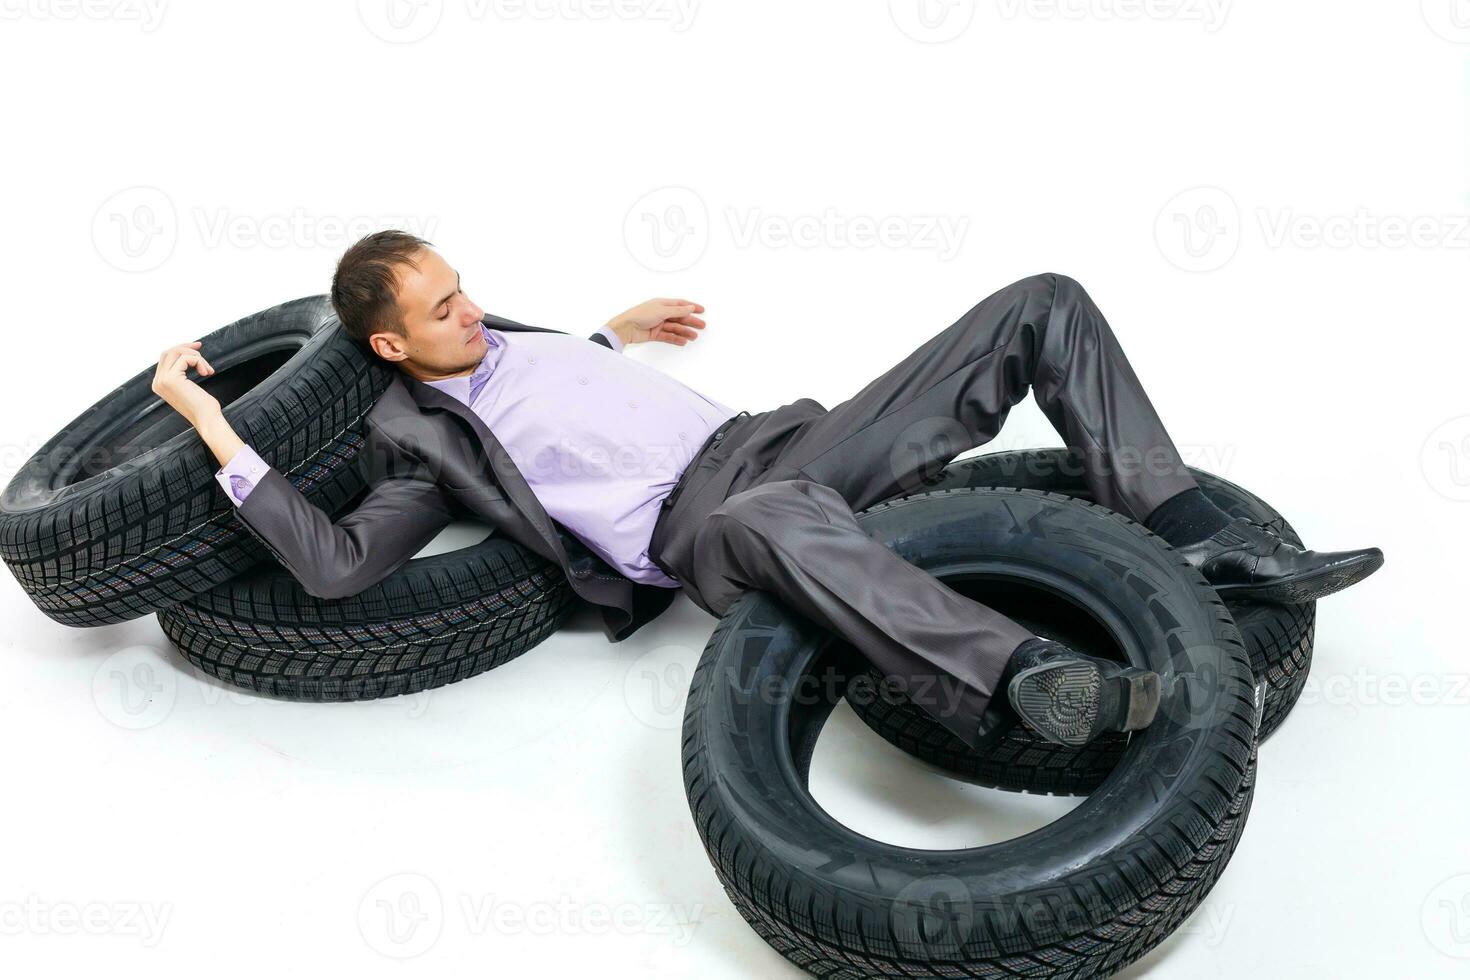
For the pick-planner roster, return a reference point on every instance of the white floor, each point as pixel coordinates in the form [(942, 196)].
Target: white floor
[(534, 816), (1267, 200)]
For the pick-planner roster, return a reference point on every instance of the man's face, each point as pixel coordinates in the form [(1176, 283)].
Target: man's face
[(442, 326)]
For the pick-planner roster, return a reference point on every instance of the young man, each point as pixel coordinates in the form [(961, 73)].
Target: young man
[(669, 489)]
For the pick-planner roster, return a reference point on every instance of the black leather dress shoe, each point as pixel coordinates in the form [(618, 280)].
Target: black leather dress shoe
[(1071, 698), (1248, 559)]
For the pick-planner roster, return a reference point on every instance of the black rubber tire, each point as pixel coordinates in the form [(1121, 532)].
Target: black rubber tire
[(1081, 897), (119, 514), (1277, 637), (433, 621)]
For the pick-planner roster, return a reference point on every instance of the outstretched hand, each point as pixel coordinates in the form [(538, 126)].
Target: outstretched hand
[(672, 321)]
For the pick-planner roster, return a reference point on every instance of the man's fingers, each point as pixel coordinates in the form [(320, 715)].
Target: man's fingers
[(192, 358)]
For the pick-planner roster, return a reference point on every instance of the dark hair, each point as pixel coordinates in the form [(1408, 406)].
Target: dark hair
[(365, 285)]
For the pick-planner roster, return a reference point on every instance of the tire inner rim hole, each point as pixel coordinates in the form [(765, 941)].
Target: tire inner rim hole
[(152, 422), (876, 789)]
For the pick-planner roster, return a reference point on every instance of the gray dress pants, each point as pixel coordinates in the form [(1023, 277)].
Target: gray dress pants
[(768, 502)]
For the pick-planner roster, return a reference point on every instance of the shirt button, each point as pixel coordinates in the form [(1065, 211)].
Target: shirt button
[(683, 435), (632, 404), (581, 380), (531, 359)]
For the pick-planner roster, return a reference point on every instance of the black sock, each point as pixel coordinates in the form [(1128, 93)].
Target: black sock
[(1186, 517)]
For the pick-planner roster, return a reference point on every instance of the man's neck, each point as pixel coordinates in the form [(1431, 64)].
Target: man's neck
[(419, 374)]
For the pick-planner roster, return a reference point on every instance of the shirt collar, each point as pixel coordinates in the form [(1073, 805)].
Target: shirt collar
[(465, 387)]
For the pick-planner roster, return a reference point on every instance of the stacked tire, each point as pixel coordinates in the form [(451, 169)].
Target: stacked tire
[(119, 516), (1081, 897), (1278, 639)]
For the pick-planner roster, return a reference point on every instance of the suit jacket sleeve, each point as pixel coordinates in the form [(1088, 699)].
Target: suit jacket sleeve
[(402, 511)]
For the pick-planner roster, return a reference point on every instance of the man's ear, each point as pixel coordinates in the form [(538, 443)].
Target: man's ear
[(388, 346)]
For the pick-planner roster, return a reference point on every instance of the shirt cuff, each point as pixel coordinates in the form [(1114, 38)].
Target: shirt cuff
[(240, 474), (612, 338)]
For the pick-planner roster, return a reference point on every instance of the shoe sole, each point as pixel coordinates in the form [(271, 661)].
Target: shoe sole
[(1061, 702), (1307, 586)]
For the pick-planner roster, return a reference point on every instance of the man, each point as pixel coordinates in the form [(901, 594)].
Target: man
[(637, 484)]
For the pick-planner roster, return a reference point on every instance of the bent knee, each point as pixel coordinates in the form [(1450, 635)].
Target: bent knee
[(1046, 284)]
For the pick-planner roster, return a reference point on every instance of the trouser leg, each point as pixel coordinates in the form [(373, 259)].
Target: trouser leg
[(1043, 334), (799, 541)]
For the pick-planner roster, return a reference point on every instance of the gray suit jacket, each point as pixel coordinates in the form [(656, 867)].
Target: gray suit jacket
[(427, 460)]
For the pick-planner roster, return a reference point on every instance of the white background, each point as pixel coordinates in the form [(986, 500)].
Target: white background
[(1232, 182)]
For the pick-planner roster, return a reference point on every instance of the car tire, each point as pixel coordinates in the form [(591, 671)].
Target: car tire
[(119, 514), (1278, 638), (1081, 897), (433, 621)]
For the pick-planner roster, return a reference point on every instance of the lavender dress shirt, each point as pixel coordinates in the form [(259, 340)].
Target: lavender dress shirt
[(601, 439)]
